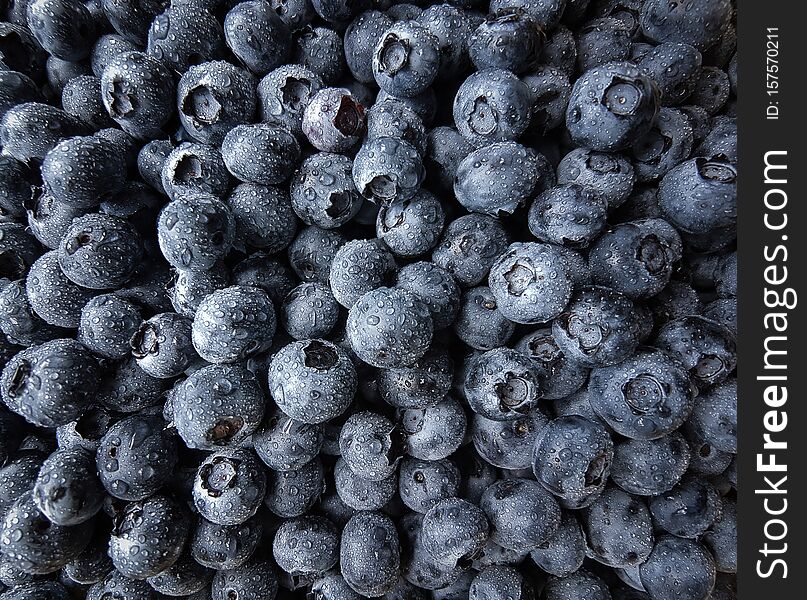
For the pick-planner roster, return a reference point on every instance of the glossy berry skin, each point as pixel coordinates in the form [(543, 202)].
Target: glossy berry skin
[(263, 217), (648, 252), (389, 328), (707, 349), (507, 39), (138, 92), (497, 581), (453, 531), (51, 384), (150, 161), (508, 444), (700, 195), (469, 246), (33, 544), (370, 553), (496, 179), (406, 59), (610, 174), (479, 322), (292, 494), (195, 231), (445, 148), (184, 35), (322, 191), (423, 484), (185, 575), (422, 384), (714, 416), (285, 444), (214, 97), (312, 252), (64, 28), (572, 459), (359, 493), (218, 405), (257, 36), (229, 486), (580, 584), (360, 439), (360, 40), (393, 118), (700, 25), (224, 547), (503, 384), (81, 98), (564, 552), (650, 467), (668, 143), (305, 546), (67, 490), (675, 68), (531, 283), (618, 529), (522, 514), (599, 327), (193, 168), (128, 388), (564, 376), (312, 381), (233, 324), (411, 227), (269, 274), (162, 345), (678, 565), (387, 170), (645, 397), (15, 186), (254, 580), (30, 130), (260, 153), (492, 106), (434, 432), (136, 457), (18, 249), (284, 93), (309, 311), (611, 106), (688, 509), (334, 121)]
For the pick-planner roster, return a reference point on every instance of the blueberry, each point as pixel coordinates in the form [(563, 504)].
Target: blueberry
[(108, 46), (306, 546), (312, 380), (601, 41), (668, 143), (193, 168), (257, 35), (404, 11), (218, 405), (611, 106), (454, 531), (434, 432), (424, 484), (714, 416), (700, 24), (650, 467), (393, 118), (560, 50), (64, 28), (646, 397), (339, 11), (312, 252), (195, 231), (67, 490), (545, 13), (580, 584), (479, 323), (451, 25), (81, 98), (334, 121), (223, 547), (563, 553), (721, 539), (360, 40), (360, 493), (609, 174), (285, 444), (492, 106), (29, 130), (677, 569), (189, 288), (371, 445), (93, 565), (508, 39), (550, 90), (564, 376), (51, 384), (496, 179), (136, 457), (370, 553), (214, 97), (406, 59), (162, 345), (254, 580), (284, 94), (320, 50), (229, 486), (389, 328), (33, 544), (184, 35), (688, 509), (332, 586), (420, 385), (522, 514), (469, 247), (18, 474), (445, 148), (15, 186), (531, 283), (678, 299), (150, 161), (269, 274), (21, 50), (138, 92), (499, 581), (185, 575), (291, 494), (493, 555), (571, 215), (675, 67), (322, 191), (260, 153), (508, 444), (423, 104), (295, 13), (421, 569), (38, 590), (309, 311), (707, 349), (18, 251), (387, 170)]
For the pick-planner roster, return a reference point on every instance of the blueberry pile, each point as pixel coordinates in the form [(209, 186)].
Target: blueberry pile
[(343, 299)]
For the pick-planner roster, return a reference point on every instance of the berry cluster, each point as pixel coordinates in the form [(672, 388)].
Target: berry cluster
[(343, 299)]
